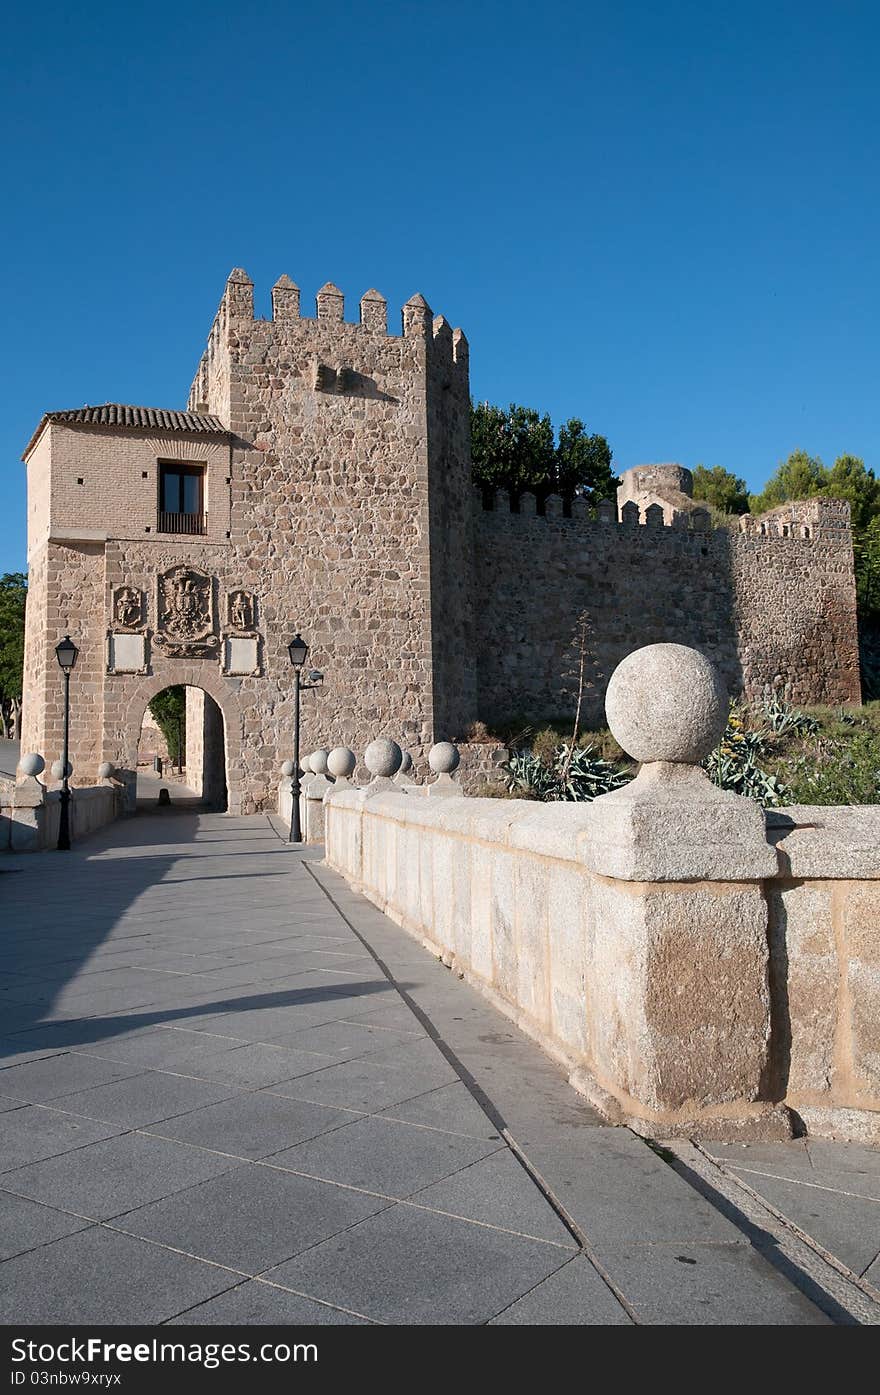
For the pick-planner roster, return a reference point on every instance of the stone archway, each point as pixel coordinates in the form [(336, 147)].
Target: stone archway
[(230, 712)]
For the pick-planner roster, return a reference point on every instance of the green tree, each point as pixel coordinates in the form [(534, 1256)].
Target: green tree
[(849, 479), (582, 464), (516, 450), (169, 710), (512, 450), (721, 489), (13, 597), (801, 476)]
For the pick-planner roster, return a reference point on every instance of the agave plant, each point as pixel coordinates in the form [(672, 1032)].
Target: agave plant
[(573, 774), (785, 720), (735, 764)]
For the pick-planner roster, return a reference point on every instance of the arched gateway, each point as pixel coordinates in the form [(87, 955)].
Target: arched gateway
[(212, 744)]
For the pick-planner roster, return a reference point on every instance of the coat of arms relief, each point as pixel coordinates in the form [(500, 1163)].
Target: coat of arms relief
[(128, 608), (185, 614)]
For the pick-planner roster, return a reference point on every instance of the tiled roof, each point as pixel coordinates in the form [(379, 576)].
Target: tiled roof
[(118, 414)]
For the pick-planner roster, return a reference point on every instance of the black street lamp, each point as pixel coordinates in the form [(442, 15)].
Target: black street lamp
[(66, 653), (298, 651)]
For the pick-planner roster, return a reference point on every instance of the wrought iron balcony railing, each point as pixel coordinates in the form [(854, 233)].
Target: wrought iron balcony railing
[(192, 523)]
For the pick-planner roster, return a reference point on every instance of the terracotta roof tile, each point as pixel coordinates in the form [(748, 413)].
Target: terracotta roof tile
[(142, 418)]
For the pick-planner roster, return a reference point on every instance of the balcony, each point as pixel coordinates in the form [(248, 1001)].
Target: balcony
[(193, 524)]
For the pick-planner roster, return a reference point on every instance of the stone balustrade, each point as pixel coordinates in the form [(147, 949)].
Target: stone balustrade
[(389, 768), (30, 810), (697, 968)]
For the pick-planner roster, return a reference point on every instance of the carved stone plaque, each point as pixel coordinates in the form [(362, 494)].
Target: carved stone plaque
[(128, 607), (127, 653), (242, 655), (185, 618), (240, 610)]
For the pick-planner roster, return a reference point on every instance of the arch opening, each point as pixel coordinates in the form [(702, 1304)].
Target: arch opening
[(182, 747)]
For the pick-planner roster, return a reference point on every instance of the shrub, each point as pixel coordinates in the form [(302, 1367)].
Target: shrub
[(843, 771), (477, 733), (545, 744)]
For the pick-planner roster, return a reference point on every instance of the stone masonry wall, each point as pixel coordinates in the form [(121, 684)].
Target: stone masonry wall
[(66, 595), (771, 610), (540, 579)]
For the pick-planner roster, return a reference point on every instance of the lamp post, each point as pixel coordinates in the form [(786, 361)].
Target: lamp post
[(298, 651), (66, 653)]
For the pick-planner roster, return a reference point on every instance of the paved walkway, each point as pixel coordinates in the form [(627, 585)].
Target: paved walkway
[(231, 1091)]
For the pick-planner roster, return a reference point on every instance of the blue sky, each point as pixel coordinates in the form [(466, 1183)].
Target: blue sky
[(661, 218)]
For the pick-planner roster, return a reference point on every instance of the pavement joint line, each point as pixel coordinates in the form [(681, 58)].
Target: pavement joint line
[(206, 1079), (285, 1288), (268, 1283), (572, 1250), (796, 1181), (489, 1109), (795, 1253), (514, 1302)]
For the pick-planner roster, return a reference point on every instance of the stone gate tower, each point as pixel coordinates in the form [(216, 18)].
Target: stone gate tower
[(320, 482)]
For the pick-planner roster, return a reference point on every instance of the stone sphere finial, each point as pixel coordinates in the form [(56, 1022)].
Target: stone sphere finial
[(58, 770), (31, 764), (105, 770), (666, 702), (444, 758), (382, 758), (287, 768), (341, 763), (406, 763), (317, 761)]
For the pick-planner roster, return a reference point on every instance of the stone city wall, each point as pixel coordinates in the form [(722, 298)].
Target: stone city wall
[(663, 999), (772, 610)]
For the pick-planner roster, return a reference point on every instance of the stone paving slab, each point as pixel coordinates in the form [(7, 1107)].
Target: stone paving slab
[(251, 1218), (102, 1276), (246, 1096), (26, 1225), (384, 1156), (412, 1266)]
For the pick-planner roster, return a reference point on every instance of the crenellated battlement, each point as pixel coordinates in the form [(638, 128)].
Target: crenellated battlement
[(807, 519), (235, 323), (237, 308)]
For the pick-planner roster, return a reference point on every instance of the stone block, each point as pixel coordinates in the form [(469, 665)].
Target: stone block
[(681, 1010), (128, 653), (672, 824), (804, 974), (241, 655)]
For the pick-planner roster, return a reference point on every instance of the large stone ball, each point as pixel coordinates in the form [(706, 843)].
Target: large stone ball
[(382, 758), (58, 770), (406, 763), (666, 702), (341, 763), (105, 770), (31, 764), (287, 768), (444, 758), (317, 761)]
